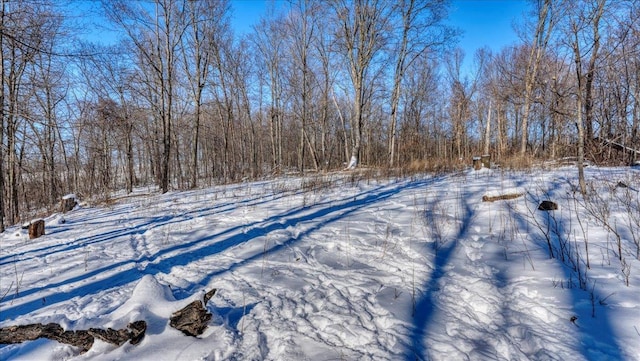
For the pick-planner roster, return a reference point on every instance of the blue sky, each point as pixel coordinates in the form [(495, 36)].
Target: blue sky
[(483, 22), (487, 22)]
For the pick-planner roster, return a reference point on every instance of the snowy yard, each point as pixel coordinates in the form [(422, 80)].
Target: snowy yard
[(338, 267)]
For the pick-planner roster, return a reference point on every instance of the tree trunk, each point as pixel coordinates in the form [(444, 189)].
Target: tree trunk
[(130, 167), (579, 120), (635, 128), (397, 81), (362, 24), (2, 76), (541, 38), (128, 129), (589, 77), (13, 169), (167, 80), (357, 125), (487, 133), (194, 141)]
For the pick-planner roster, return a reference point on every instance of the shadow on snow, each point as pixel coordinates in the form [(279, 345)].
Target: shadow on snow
[(328, 212), (594, 342), (426, 306), (146, 224)]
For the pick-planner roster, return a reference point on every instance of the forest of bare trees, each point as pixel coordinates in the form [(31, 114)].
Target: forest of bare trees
[(181, 101)]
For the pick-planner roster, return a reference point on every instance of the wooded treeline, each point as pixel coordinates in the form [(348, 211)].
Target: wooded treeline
[(182, 101)]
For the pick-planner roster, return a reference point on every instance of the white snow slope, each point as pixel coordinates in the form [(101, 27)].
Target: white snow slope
[(338, 267)]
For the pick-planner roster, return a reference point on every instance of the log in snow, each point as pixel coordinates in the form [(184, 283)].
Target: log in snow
[(501, 197), (193, 319)]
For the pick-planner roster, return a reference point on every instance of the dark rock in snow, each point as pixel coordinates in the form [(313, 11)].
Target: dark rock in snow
[(548, 206)]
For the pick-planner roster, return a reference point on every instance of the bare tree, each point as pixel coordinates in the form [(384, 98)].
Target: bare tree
[(421, 31), (2, 113), (108, 76), (326, 79), (597, 11), (579, 23), (615, 95), (206, 20), (362, 25), (22, 37), (269, 42), (302, 28), (546, 21), (49, 78), (462, 92), (241, 78), (225, 104), (421, 132), (156, 34)]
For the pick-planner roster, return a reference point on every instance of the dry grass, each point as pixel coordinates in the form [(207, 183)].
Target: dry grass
[(517, 162), (433, 165)]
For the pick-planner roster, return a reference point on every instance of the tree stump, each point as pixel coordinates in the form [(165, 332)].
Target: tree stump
[(548, 206), (477, 163), (36, 228), (67, 203)]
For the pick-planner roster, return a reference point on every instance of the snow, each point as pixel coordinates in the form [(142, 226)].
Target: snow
[(341, 267)]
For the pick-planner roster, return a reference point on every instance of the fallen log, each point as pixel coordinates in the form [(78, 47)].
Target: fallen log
[(501, 197), (133, 333), (192, 320), (82, 339), (18, 334), (52, 331)]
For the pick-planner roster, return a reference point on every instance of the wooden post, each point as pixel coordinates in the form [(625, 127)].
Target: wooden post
[(486, 160)]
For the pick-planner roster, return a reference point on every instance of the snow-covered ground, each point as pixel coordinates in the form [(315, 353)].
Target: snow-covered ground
[(338, 267)]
